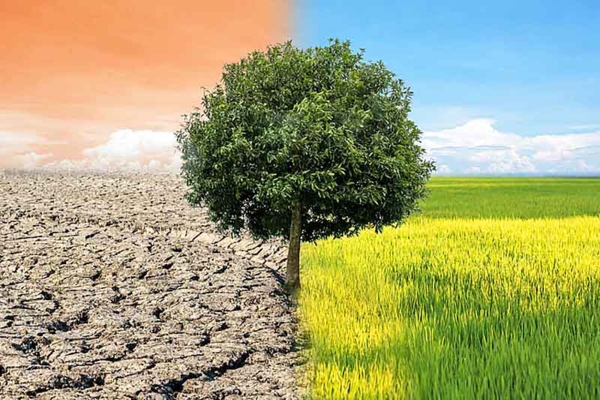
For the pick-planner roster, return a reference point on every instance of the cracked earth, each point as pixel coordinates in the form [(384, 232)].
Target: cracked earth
[(113, 287)]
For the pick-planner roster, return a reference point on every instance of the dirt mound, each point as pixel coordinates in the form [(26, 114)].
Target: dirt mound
[(114, 287)]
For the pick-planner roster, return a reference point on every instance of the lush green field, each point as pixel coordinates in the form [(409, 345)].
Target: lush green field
[(512, 197), (463, 301)]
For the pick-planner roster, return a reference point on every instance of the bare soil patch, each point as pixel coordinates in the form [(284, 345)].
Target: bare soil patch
[(112, 286)]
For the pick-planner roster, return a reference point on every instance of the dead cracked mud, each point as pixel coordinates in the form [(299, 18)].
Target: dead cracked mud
[(113, 287)]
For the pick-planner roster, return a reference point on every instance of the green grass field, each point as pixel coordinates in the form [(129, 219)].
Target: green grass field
[(492, 292), (512, 197)]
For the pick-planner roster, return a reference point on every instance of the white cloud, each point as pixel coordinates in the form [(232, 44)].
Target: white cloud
[(30, 160), (128, 144), (443, 169), (125, 150), (128, 150), (13, 142), (17, 149), (477, 147), (14, 139)]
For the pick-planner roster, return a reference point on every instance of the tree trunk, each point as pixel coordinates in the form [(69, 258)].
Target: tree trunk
[(293, 260)]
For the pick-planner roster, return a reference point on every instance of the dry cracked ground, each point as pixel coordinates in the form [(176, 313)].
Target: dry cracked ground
[(112, 287)]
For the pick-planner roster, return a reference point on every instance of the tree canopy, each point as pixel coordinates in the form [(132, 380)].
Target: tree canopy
[(318, 132)]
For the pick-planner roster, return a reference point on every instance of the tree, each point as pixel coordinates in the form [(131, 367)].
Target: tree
[(304, 144)]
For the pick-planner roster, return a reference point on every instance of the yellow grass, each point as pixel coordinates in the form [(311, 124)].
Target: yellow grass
[(456, 308)]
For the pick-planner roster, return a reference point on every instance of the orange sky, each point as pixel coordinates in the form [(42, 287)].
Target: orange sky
[(74, 71)]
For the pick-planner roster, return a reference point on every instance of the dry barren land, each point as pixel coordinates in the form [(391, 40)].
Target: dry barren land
[(112, 287)]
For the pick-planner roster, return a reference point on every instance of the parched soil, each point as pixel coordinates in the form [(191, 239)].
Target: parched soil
[(112, 287)]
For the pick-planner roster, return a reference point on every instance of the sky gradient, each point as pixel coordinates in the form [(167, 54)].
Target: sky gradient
[(499, 88), (73, 75)]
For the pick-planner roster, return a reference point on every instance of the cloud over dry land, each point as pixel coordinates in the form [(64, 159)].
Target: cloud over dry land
[(75, 73)]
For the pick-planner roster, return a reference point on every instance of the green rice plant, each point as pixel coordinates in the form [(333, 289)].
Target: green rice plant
[(512, 197)]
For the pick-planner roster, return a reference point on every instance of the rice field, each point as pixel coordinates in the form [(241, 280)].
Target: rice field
[(525, 198), (492, 292)]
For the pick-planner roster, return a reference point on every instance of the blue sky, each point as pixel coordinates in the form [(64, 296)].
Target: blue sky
[(524, 72)]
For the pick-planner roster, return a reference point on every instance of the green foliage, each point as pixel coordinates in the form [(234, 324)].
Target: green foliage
[(318, 127)]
